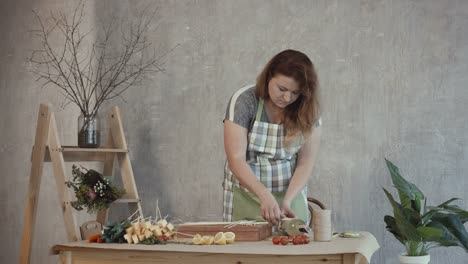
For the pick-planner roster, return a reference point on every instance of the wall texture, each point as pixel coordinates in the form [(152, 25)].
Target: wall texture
[(393, 80)]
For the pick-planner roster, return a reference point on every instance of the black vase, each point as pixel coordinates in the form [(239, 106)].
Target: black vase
[(89, 131)]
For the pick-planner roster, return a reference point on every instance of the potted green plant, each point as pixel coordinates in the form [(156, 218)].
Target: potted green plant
[(420, 227)]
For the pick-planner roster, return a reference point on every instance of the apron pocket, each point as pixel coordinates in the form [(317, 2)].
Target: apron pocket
[(246, 206)]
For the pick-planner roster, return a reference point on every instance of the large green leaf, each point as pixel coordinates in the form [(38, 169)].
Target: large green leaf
[(450, 209), (406, 190), (392, 227), (416, 205), (430, 233), (446, 209), (454, 229), (426, 218), (414, 217), (408, 230), (448, 202), (447, 239), (455, 209)]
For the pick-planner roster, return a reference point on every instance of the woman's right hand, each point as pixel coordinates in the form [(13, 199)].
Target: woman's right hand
[(270, 208)]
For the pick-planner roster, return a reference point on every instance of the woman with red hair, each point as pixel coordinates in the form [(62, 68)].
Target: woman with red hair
[(271, 139)]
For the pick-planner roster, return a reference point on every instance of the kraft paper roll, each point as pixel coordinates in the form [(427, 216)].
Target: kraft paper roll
[(321, 225)]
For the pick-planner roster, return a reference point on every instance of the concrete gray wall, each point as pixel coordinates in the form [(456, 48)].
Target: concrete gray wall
[(393, 80)]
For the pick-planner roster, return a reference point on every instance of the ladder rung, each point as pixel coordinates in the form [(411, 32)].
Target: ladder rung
[(71, 153), (103, 149), (124, 200), (127, 200)]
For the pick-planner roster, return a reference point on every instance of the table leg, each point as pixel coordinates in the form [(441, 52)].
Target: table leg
[(66, 257), (349, 258)]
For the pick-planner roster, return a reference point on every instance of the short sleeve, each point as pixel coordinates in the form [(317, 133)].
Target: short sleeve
[(241, 107)]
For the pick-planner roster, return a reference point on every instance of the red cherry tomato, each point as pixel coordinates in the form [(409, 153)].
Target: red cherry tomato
[(284, 241), (295, 241), (276, 240), (298, 240)]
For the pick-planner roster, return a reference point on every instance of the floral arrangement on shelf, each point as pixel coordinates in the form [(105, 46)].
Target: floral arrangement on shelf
[(92, 190)]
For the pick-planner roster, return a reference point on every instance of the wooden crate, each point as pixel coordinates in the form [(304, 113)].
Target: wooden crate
[(255, 232)]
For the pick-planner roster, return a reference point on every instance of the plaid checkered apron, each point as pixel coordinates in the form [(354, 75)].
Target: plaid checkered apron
[(270, 160)]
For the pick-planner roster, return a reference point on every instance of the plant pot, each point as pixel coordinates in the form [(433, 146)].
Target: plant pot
[(404, 259), (89, 131)]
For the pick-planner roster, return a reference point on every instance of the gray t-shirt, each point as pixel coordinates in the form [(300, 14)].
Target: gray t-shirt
[(242, 108)]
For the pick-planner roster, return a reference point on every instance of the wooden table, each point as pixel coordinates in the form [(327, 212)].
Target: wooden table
[(339, 250)]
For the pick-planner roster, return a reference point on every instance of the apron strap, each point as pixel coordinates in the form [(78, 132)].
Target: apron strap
[(258, 117)]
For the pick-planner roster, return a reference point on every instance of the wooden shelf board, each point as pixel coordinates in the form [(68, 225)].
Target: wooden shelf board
[(73, 153), (101, 149), (126, 200)]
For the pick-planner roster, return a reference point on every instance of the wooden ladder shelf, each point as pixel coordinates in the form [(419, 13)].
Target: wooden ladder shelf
[(47, 148)]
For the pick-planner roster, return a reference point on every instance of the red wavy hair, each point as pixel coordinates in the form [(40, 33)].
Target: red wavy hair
[(301, 115)]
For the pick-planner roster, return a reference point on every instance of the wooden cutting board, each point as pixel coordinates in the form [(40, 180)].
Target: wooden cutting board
[(251, 232)]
